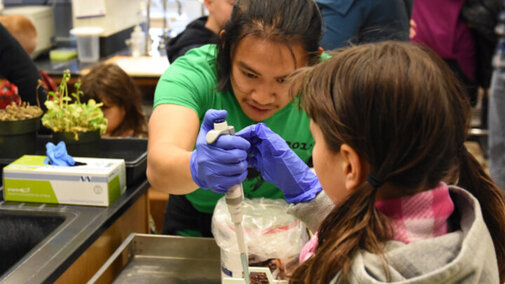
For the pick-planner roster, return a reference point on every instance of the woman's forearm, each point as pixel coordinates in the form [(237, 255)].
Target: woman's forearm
[(169, 148), (168, 170)]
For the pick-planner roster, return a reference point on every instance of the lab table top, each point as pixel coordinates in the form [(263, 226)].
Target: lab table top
[(83, 225)]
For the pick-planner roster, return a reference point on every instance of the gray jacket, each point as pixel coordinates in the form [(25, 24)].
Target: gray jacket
[(466, 255)]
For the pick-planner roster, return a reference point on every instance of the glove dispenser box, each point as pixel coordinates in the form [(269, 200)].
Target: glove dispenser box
[(93, 181)]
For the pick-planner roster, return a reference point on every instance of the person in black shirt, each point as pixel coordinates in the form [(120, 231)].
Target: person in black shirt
[(201, 31), (17, 67)]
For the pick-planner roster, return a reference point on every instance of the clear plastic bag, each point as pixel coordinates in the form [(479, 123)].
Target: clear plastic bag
[(273, 237)]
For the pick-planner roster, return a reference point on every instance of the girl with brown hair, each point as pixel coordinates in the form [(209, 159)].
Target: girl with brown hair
[(122, 101), (389, 121)]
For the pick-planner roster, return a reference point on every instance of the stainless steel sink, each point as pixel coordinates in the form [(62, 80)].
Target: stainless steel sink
[(163, 259), (37, 237), (22, 231), (27, 229)]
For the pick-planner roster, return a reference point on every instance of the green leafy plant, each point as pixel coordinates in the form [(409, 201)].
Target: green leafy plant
[(66, 113)]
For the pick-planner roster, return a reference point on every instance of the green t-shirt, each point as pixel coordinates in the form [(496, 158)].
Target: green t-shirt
[(191, 81)]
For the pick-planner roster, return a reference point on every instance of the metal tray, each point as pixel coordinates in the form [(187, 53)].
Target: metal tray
[(132, 150), (144, 258)]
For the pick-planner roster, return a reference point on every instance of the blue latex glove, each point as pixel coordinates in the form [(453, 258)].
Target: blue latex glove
[(279, 165), (222, 164), (57, 155)]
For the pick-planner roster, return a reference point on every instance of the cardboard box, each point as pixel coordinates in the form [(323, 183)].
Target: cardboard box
[(98, 182)]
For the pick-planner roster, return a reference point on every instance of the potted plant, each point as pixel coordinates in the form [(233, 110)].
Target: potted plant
[(79, 124), (18, 129)]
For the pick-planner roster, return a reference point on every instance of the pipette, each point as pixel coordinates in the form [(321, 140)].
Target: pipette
[(233, 198)]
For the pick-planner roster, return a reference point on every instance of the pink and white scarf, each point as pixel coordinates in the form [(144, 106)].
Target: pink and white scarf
[(415, 217)]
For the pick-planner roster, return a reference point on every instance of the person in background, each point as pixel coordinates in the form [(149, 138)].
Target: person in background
[(122, 101), (22, 29), (25, 33), (359, 21), (439, 26), (496, 113), (389, 121), (244, 76), (19, 73), (201, 31)]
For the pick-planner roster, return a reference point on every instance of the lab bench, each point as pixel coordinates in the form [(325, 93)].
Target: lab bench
[(72, 242), (79, 246)]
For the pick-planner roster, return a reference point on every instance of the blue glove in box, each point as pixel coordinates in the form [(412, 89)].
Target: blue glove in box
[(93, 181)]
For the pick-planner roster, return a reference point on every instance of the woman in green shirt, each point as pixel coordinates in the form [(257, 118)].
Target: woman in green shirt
[(262, 43)]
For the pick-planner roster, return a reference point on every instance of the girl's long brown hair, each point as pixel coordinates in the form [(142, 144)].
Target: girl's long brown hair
[(117, 86), (399, 106)]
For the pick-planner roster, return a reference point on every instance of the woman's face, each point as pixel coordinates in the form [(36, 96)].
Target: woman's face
[(114, 114), (259, 70), (329, 167)]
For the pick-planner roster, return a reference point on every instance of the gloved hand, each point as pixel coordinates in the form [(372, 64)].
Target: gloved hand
[(279, 165), (57, 155), (222, 164)]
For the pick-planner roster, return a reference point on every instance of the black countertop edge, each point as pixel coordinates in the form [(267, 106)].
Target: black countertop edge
[(103, 223), (50, 259)]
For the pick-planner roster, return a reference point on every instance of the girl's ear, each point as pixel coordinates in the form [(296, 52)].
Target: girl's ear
[(354, 167), (208, 4), (320, 50), (221, 34)]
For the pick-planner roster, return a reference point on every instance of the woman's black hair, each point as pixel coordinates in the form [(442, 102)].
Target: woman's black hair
[(285, 21)]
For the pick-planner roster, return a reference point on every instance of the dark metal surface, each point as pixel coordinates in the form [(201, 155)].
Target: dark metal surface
[(22, 231), (81, 227)]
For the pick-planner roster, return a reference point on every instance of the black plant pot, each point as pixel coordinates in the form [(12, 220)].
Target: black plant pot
[(18, 137), (86, 145)]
